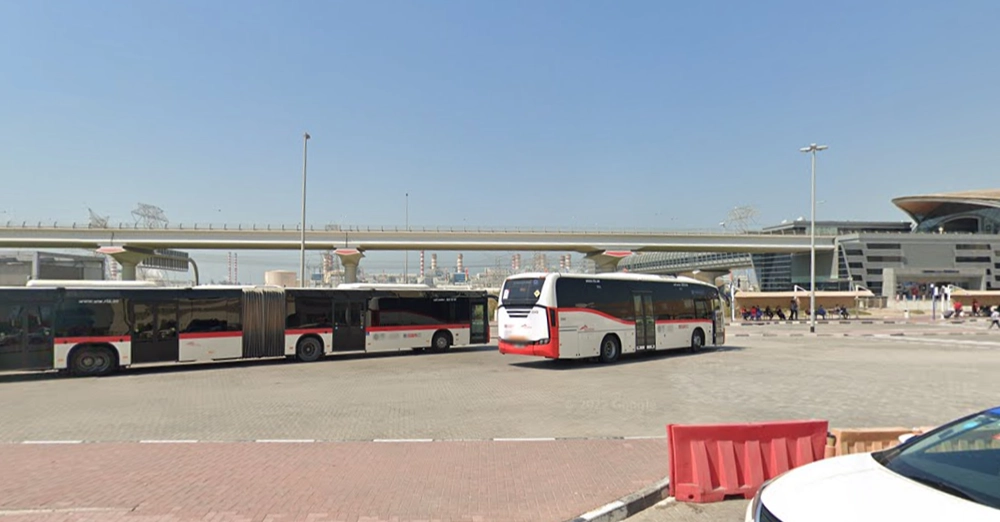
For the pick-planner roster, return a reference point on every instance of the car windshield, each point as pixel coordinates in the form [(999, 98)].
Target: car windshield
[(961, 459)]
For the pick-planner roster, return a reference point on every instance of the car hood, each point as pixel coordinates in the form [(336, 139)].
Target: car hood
[(856, 488)]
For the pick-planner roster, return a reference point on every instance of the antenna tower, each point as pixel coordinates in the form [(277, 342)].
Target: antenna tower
[(149, 216), (742, 218), (97, 220)]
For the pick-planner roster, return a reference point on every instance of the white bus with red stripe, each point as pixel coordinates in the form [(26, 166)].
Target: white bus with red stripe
[(571, 316), (94, 330)]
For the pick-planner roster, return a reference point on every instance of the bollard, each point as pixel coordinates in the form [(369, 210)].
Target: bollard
[(906, 314)]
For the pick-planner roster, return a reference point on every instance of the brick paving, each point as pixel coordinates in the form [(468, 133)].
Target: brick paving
[(467, 394), (322, 482)]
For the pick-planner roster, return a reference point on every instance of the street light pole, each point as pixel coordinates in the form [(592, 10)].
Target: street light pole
[(302, 256), (406, 261), (812, 149)]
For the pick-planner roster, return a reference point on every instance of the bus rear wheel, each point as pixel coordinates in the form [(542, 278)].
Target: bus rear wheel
[(610, 349), (441, 342), (309, 349), (697, 341), (92, 361)]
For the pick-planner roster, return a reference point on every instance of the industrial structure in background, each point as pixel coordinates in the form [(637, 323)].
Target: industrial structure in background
[(20, 266), (330, 272)]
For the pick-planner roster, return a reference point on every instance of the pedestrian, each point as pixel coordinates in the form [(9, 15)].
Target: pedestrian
[(995, 316), (793, 314)]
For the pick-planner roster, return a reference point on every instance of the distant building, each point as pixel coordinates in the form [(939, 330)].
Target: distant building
[(19, 266), (951, 240)]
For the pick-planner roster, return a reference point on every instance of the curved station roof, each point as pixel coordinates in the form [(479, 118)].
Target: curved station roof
[(967, 211)]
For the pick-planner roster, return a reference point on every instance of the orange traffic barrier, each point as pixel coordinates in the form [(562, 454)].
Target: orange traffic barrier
[(709, 463), (850, 441)]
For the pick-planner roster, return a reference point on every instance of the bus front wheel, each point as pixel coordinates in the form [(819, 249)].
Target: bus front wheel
[(697, 341), (309, 349), (610, 349), (441, 342), (92, 361)]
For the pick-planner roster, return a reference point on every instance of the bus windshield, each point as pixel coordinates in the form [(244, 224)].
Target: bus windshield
[(522, 291)]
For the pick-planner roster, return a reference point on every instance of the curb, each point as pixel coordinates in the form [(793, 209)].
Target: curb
[(890, 334), (856, 321), (628, 505)]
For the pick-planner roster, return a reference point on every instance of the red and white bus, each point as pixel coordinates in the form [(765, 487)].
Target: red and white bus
[(569, 316), (90, 329)]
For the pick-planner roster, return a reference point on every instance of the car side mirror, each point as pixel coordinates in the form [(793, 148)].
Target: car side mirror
[(905, 437)]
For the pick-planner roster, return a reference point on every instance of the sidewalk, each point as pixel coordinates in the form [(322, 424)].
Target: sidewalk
[(482, 481), (671, 511)]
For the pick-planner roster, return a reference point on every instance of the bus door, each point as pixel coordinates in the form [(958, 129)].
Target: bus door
[(26, 336), (479, 334), (645, 321), (154, 332), (349, 325)]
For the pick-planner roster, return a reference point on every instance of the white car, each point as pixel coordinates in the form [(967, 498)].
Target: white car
[(949, 474)]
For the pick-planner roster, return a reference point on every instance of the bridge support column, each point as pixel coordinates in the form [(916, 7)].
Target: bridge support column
[(350, 258), (128, 269), (607, 260), (129, 259)]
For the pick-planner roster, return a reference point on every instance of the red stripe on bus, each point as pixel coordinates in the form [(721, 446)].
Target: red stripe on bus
[(94, 339), (418, 327), (631, 323), (303, 331), (596, 312), (210, 335)]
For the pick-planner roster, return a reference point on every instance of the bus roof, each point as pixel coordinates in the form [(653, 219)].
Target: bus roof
[(620, 276), (79, 283)]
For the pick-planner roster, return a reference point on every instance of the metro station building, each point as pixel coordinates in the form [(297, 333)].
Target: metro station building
[(951, 239)]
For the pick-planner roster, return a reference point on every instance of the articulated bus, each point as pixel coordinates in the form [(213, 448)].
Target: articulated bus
[(92, 330), (568, 316)]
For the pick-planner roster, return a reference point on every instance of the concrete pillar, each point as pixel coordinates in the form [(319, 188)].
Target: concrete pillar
[(607, 260), (350, 258), (128, 258), (889, 282), (128, 269)]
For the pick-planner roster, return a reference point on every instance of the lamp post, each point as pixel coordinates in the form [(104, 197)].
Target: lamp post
[(302, 256), (406, 260), (812, 149)]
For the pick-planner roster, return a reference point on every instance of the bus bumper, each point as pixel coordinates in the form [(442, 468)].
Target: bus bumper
[(549, 350)]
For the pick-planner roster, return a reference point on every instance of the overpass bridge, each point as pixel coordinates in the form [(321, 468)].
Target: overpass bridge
[(130, 244)]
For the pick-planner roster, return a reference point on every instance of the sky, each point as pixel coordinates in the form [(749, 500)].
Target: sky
[(651, 114)]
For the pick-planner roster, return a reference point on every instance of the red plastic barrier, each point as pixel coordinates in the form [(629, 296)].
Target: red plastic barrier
[(709, 463)]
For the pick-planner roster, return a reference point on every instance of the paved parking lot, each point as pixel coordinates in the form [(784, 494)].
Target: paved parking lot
[(480, 394), (467, 397)]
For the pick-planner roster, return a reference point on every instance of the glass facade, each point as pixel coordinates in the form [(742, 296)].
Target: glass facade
[(960, 217)]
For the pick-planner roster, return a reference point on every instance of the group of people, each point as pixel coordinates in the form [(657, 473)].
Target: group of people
[(977, 311), (755, 313)]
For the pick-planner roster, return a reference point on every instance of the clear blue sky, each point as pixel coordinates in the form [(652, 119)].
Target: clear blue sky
[(651, 114)]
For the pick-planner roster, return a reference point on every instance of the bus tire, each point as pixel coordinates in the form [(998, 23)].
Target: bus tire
[(309, 349), (92, 360), (611, 349), (697, 340), (441, 341)]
